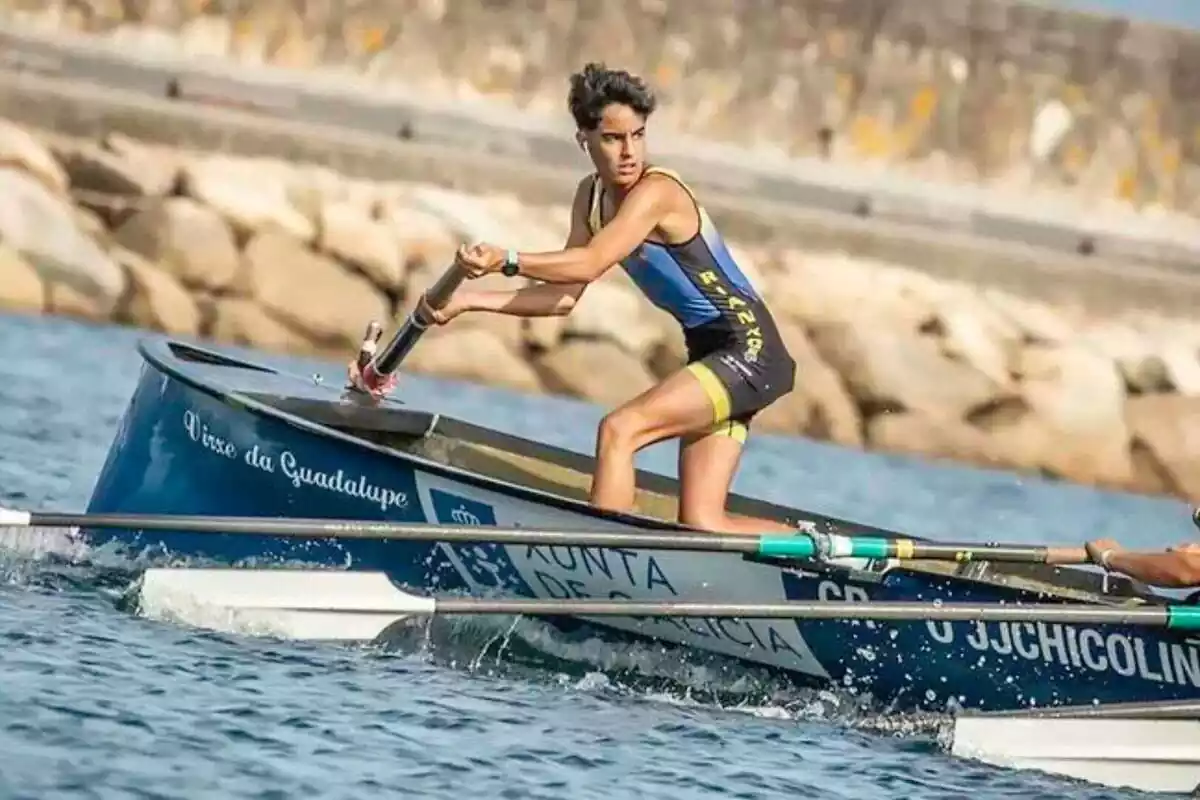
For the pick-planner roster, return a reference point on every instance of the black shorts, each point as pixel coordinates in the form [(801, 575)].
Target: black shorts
[(741, 376)]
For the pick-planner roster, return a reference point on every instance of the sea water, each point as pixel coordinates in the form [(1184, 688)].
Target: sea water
[(95, 702)]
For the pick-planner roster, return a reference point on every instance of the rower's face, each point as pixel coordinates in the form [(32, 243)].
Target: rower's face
[(618, 145)]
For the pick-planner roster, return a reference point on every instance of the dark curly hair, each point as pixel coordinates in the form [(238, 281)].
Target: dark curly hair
[(595, 87)]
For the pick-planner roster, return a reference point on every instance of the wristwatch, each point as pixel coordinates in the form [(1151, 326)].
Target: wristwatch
[(510, 267)]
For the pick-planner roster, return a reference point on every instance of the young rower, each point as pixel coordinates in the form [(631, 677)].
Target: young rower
[(648, 220)]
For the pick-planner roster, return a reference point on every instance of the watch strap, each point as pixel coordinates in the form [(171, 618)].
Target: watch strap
[(511, 267)]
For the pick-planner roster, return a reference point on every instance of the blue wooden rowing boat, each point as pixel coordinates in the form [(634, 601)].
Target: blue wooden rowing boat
[(208, 433)]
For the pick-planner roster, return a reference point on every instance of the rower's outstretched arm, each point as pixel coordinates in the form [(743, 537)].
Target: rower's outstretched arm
[(543, 299), (640, 213), (1178, 569)]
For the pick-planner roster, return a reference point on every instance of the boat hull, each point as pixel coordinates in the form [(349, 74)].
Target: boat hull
[(195, 441)]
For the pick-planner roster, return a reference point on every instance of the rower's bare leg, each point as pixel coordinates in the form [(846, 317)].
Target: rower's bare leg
[(707, 463), (674, 407)]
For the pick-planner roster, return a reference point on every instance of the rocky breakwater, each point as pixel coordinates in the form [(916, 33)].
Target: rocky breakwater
[(293, 257), (1009, 95)]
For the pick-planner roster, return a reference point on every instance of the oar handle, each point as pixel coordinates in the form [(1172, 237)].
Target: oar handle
[(386, 361), (1196, 516), (1067, 555)]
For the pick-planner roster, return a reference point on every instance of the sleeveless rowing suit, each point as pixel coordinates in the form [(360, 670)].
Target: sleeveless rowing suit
[(733, 345)]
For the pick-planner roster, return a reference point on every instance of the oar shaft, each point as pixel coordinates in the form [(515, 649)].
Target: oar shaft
[(1179, 617), (911, 549), (388, 359), (800, 545), (825, 546), (321, 528), (989, 552)]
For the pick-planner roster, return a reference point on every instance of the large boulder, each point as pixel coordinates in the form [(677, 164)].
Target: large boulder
[(252, 194), (129, 171), (63, 300), (309, 291), (1163, 356), (600, 371), (669, 353), (21, 150), (244, 322), (156, 299), (1165, 432), (539, 334), (1181, 363), (1078, 395), (190, 241), (1037, 322), (21, 287), (1133, 353), (819, 406), (498, 219), (890, 370), (310, 187), (43, 227), (609, 310), (426, 241), (154, 168), (972, 332), (473, 354), (817, 288), (347, 231), (915, 433)]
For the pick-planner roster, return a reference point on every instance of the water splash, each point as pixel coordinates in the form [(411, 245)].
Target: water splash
[(585, 659)]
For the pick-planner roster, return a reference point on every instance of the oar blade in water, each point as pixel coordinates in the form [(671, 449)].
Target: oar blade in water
[(312, 605), (326, 604), (1154, 755)]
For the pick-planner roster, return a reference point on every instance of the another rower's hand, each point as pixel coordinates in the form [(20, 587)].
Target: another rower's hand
[(440, 316), (1098, 547), (480, 259)]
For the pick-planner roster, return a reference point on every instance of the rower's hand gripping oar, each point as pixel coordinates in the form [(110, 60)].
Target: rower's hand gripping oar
[(377, 368)]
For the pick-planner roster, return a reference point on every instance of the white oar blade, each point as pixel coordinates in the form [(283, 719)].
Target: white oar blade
[(311, 605), (1154, 755), (10, 517)]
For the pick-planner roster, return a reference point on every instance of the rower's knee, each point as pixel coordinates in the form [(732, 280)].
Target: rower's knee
[(621, 431)]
